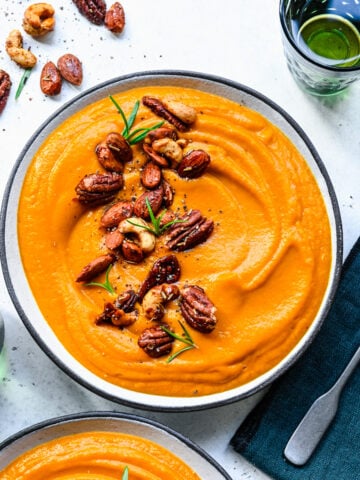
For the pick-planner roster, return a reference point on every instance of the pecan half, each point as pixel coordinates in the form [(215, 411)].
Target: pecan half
[(158, 107), (39, 19), (99, 188), (194, 229), (156, 298), (197, 309), (50, 79), (115, 18), (126, 301), (5, 86), (165, 270), (93, 10), (193, 164), (168, 194), (114, 152), (70, 68), (154, 197), (151, 176), (116, 213), (155, 341), (95, 267), (116, 316)]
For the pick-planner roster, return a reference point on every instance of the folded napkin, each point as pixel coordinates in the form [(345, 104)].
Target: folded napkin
[(262, 437)]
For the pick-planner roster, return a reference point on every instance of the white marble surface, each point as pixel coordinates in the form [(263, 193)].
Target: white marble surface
[(236, 39)]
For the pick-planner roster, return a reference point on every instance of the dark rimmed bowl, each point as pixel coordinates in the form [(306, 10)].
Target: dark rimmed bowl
[(20, 291), (190, 453)]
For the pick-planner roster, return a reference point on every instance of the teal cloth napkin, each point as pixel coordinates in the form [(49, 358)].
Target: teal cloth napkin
[(262, 437)]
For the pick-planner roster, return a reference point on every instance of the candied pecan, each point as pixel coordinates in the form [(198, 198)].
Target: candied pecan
[(95, 267), (15, 50), (165, 270), (151, 175), (116, 316), (166, 131), (50, 79), (159, 109), (93, 10), (39, 19), (197, 309), (115, 18), (126, 301), (155, 157), (114, 152), (99, 188), (154, 197), (132, 252), (70, 68), (116, 213), (167, 217), (156, 298), (193, 164), (181, 111), (5, 86), (114, 239), (155, 341), (168, 194), (194, 229)]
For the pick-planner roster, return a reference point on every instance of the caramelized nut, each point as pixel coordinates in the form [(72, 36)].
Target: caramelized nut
[(197, 309), (183, 112), (158, 107), (70, 68), (165, 270), (169, 149), (151, 175), (155, 341), (193, 164), (137, 227), (39, 19), (156, 298), (132, 252), (115, 18), (95, 267), (126, 301), (114, 152), (114, 239), (194, 229), (154, 197), (116, 213), (93, 10), (166, 131), (50, 79), (14, 47), (116, 316), (5, 85), (99, 188)]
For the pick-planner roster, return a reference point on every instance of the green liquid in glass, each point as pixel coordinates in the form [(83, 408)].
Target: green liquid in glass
[(331, 40)]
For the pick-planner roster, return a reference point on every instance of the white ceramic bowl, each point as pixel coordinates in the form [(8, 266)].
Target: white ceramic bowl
[(196, 458), (22, 296)]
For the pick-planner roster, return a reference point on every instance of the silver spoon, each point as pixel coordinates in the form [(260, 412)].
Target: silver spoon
[(312, 427)]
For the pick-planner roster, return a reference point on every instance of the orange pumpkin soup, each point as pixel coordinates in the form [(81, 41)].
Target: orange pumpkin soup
[(100, 456), (264, 267)]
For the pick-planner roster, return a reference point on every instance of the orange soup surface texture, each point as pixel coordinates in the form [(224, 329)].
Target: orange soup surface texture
[(265, 266), (98, 456)]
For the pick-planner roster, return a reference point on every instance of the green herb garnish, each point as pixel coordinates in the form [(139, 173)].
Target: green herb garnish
[(157, 230), (22, 82), (184, 338), (106, 285), (139, 134), (125, 475)]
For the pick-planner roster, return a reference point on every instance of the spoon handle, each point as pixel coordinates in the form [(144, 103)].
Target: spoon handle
[(312, 427)]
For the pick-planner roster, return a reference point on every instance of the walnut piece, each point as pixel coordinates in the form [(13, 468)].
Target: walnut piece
[(197, 309), (39, 19)]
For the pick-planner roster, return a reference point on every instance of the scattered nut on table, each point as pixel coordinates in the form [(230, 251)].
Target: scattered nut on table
[(39, 19), (14, 47), (5, 85), (115, 18), (70, 68), (50, 79)]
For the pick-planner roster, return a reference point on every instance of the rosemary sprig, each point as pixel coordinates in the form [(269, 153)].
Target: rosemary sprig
[(184, 338), (125, 475), (23, 80), (106, 285), (140, 133), (157, 230)]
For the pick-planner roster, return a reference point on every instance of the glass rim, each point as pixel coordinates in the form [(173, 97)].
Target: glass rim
[(291, 40)]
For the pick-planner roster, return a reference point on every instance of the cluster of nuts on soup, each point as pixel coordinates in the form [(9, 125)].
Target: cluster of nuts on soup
[(132, 227)]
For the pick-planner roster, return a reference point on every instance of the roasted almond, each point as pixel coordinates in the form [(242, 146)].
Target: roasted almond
[(70, 68), (50, 79)]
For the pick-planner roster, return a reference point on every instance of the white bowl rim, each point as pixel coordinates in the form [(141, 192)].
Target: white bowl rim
[(92, 416), (164, 403)]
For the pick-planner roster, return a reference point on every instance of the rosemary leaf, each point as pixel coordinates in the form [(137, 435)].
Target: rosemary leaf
[(132, 116), (188, 341), (120, 110), (174, 355), (106, 285), (142, 226), (125, 475), (141, 137), (22, 82)]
